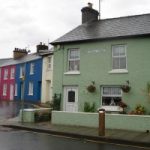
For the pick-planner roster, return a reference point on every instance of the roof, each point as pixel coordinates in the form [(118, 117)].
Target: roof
[(108, 28), (27, 58)]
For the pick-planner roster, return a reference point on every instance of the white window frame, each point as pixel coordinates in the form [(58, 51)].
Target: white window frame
[(30, 92), (22, 71), (12, 73), (5, 74), (119, 69), (4, 89), (112, 107), (16, 89), (73, 60), (32, 66)]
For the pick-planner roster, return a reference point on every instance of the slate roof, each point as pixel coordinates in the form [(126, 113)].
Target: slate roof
[(129, 26), (27, 58)]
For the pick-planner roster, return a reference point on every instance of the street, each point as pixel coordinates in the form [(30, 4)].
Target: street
[(11, 139)]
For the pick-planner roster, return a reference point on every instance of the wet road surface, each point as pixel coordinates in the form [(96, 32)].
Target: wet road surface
[(11, 139)]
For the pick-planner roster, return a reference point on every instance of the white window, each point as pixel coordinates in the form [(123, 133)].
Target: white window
[(22, 71), (32, 68), (74, 60), (49, 63), (5, 74), (111, 97), (119, 58), (16, 89), (4, 89), (12, 73), (30, 92)]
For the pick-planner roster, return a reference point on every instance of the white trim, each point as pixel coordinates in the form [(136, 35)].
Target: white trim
[(118, 71), (72, 73), (32, 66), (30, 92), (70, 106), (12, 73), (125, 55), (113, 108), (73, 59)]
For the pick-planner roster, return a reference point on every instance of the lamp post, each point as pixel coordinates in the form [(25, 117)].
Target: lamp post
[(22, 98)]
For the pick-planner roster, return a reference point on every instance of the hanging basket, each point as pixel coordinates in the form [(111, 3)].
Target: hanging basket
[(125, 88), (91, 88)]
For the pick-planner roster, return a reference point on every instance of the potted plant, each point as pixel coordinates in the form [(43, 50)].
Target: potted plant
[(123, 106), (126, 87), (91, 88)]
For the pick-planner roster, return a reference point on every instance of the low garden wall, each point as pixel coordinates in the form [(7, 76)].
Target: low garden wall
[(34, 114), (112, 121)]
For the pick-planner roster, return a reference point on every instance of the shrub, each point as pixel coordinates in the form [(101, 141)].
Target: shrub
[(88, 107)]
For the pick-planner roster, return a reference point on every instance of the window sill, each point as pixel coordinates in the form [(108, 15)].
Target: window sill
[(112, 108), (72, 73), (118, 71)]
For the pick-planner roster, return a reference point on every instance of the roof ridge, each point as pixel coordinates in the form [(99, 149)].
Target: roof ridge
[(129, 16)]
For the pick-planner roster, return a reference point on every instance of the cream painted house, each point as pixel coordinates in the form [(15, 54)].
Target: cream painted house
[(47, 77)]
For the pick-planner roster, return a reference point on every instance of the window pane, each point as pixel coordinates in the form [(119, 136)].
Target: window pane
[(123, 63), (106, 91), (115, 91), (74, 54), (74, 65), (115, 51), (71, 96), (116, 63), (122, 51)]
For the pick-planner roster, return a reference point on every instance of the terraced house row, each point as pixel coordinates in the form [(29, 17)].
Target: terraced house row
[(21, 76), (102, 63)]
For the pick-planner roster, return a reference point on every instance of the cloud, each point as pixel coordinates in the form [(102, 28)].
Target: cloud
[(28, 22)]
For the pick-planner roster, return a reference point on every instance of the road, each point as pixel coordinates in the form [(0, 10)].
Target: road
[(11, 139)]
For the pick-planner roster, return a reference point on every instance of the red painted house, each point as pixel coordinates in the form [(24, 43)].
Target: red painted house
[(7, 82)]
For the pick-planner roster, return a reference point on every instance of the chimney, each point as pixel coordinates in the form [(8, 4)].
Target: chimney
[(89, 14), (19, 53), (41, 47)]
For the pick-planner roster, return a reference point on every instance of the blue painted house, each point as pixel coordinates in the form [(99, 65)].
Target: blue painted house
[(28, 78)]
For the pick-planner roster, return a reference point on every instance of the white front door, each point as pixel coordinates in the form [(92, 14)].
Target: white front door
[(11, 91), (71, 98)]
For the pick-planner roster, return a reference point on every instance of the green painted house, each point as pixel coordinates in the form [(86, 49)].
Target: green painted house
[(104, 62)]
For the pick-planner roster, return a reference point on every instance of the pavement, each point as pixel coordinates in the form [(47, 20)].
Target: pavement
[(140, 139)]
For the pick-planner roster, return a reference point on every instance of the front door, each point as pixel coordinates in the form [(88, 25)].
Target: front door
[(11, 91), (71, 98)]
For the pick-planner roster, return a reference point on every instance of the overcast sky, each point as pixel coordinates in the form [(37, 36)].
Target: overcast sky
[(26, 23)]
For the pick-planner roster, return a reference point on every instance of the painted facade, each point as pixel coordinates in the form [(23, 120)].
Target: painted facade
[(7, 82), (104, 54), (47, 78), (28, 79), (96, 65)]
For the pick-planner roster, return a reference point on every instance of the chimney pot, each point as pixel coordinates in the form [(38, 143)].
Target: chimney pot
[(90, 5)]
